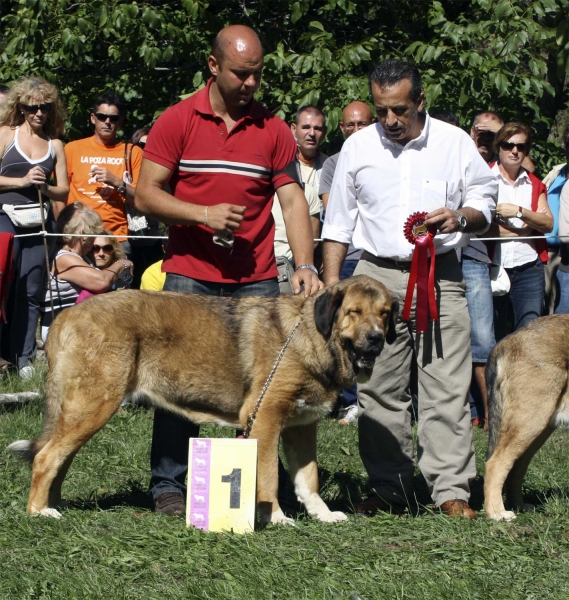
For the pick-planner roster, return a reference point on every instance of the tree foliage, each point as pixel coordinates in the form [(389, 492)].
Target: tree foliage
[(509, 55)]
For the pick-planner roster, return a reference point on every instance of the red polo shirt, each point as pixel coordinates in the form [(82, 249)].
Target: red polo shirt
[(211, 166)]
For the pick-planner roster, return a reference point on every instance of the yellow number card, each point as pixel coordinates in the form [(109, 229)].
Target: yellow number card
[(222, 478)]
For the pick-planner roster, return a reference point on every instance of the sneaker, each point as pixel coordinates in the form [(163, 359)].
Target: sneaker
[(26, 372), (170, 503), (350, 416)]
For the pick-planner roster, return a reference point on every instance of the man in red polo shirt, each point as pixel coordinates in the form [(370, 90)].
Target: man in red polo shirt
[(223, 155)]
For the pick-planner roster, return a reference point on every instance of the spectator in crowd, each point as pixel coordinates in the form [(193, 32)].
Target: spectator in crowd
[(557, 295), (423, 165), (97, 169), (309, 130), (71, 273), (153, 278), (522, 211), (355, 116), (446, 116), (245, 150), (105, 252), (146, 249), (32, 119), (4, 89), (476, 271)]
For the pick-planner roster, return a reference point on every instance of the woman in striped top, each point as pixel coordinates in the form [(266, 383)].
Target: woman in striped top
[(71, 272)]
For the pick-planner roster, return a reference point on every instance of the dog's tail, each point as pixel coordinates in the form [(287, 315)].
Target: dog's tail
[(494, 400), (27, 449)]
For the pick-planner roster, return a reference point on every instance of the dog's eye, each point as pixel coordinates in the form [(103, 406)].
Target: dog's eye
[(354, 311)]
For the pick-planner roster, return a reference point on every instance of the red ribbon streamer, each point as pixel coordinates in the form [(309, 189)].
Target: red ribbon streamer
[(424, 277)]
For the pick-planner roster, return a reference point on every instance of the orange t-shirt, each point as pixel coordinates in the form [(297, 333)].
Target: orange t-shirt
[(83, 154)]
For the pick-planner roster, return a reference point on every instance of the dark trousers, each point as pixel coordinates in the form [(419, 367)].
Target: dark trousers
[(524, 302), (350, 394), (171, 433), (26, 292)]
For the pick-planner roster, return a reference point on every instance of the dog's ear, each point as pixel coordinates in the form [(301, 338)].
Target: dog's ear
[(391, 333), (325, 310)]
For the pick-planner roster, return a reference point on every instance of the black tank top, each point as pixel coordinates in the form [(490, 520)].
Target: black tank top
[(16, 164)]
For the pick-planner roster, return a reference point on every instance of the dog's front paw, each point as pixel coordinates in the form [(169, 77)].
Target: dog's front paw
[(505, 515), (49, 512), (278, 517), (332, 517)]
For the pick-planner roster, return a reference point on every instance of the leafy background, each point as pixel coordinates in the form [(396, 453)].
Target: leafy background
[(508, 55)]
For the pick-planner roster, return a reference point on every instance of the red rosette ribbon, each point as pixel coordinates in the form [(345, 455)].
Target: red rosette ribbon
[(421, 274)]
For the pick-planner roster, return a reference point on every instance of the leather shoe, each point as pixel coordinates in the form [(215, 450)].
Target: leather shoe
[(457, 508), (170, 503), (375, 504)]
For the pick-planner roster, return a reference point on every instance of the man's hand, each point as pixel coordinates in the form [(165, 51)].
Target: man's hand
[(103, 175), (444, 219), (506, 211), (224, 218), (311, 282), (486, 124)]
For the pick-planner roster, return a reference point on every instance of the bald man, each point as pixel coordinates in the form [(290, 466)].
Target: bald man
[(355, 116), (223, 156)]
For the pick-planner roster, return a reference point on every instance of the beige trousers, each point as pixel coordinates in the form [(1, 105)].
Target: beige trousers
[(445, 451)]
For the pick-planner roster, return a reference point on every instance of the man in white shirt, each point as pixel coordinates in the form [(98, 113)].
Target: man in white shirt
[(404, 164), (309, 130)]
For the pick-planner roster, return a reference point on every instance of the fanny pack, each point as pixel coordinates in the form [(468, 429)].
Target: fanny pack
[(25, 215)]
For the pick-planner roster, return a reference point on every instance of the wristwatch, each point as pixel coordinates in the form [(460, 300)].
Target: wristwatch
[(462, 222), (519, 214), (122, 189)]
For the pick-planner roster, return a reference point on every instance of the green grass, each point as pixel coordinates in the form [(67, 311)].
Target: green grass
[(110, 545)]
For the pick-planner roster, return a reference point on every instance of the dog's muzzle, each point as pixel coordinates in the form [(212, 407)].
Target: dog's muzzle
[(363, 357)]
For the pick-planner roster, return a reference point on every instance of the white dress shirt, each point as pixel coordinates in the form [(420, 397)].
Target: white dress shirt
[(512, 253), (378, 183)]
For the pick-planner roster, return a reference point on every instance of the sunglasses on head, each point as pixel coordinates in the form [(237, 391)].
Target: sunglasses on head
[(107, 248), (523, 147), (33, 108), (103, 117), (141, 144)]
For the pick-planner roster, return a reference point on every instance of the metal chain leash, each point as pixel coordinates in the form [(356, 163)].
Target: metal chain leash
[(252, 416)]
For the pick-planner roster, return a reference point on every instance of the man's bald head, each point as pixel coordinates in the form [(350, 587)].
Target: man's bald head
[(236, 39), (355, 116)]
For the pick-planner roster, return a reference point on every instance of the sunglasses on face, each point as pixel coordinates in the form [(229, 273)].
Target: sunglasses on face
[(103, 117), (510, 146), (142, 144), (107, 248), (33, 108)]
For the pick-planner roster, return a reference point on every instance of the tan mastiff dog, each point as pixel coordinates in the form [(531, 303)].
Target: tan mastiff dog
[(528, 398), (208, 359)]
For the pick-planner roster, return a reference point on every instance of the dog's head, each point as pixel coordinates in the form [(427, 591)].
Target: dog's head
[(357, 317)]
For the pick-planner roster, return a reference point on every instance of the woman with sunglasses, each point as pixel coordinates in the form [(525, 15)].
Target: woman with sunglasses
[(105, 252), (522, 211), (32, 119), (71, 272)]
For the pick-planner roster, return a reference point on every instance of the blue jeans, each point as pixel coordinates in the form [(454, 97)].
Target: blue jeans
[(480, 308), (524, 302), (563, 280), (350, 394), (171, 433), (481, 311)]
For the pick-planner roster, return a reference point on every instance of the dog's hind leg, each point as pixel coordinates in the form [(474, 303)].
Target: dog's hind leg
[(513, 485), (81, 418), (299, 444)]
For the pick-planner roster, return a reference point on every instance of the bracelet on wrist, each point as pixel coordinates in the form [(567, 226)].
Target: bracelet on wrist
[(205, 216), (124, 264), (310, 267)]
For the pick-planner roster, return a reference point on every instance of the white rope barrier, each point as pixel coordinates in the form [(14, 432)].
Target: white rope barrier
[(165, 237)]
